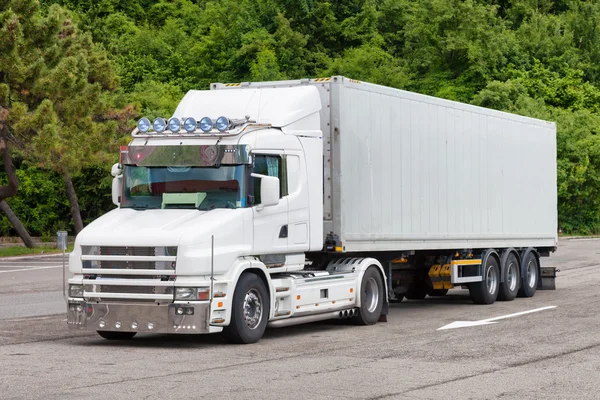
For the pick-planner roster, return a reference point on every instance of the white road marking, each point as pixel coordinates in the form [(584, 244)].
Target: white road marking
[(488, 321), (30, 269)]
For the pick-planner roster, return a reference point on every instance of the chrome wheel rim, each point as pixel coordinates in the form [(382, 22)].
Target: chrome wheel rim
[(531, 274), (252, 308), (371, 294), (512, 277), (491, 280)]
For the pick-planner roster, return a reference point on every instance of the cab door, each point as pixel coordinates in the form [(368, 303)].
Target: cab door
[(270, 223)]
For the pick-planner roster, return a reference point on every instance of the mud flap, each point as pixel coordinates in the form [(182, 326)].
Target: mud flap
[(384, 311)]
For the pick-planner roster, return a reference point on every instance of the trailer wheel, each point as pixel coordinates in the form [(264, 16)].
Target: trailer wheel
[(486, 291), (531, 276), (510, 286), (250, 311), (371, 298), (109, 335)]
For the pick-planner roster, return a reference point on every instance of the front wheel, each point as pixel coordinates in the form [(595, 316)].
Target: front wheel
[(116, 335), (250, 311), (371, 298)]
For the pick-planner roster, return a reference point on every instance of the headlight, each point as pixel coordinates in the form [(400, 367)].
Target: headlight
[(143, 125), (174, 125), (200, 293), (75, 290), (206, 124), (222, 123), (159, 125), (189, 124)]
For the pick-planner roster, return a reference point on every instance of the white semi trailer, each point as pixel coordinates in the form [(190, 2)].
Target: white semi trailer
[(278, 203)]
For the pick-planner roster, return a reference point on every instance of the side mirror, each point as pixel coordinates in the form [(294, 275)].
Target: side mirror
[(117, 186), (116, 170), (269, 190)]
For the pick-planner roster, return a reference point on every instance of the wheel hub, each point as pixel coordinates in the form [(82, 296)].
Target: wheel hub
[(252, 308), (371, 294)]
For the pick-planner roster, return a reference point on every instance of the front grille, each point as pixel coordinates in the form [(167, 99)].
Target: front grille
[(128, 289), (127, 251), (123, 264)]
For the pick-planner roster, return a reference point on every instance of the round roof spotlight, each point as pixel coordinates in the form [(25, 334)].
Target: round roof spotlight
[(222, 123), (144, 125), (189, 124), (159, 125), (206, 124), (174, 125)]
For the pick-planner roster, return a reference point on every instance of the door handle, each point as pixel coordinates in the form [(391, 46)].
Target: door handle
[(283, 233)]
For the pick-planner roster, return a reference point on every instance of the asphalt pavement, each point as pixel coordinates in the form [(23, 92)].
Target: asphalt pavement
[(553, 353)]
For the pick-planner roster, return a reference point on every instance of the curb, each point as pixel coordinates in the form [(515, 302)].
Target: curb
[(26, 257)]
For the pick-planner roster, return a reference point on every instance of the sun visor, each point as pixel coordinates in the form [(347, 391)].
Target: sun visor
[(276, 106)]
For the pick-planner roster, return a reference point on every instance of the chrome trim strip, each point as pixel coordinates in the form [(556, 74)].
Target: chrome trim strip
[(128, 258), (103, 295), (109, 271), (127, 282)]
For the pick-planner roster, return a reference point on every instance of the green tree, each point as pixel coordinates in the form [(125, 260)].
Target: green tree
[(53, 77)]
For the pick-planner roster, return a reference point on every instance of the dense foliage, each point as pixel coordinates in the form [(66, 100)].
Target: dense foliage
[(533, 57)]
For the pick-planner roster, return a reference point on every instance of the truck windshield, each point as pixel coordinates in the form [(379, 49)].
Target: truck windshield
[(203, 188)]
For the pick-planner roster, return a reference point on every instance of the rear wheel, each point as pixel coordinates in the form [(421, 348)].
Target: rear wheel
[(486, 291), (116, 335), (371, 298), (510, 286), (530, 279), (250, 311)]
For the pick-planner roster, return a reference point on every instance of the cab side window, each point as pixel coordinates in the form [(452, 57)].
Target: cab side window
[(270, 166)]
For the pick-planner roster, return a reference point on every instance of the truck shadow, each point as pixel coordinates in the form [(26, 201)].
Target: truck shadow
[(166, 341), (313, 330)]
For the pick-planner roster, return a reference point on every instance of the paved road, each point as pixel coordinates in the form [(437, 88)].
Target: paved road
[(552, 354)]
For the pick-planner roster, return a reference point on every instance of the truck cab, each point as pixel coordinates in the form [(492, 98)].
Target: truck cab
[(216, 208)]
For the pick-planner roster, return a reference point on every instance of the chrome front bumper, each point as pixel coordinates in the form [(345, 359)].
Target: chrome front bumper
[(131, 317)]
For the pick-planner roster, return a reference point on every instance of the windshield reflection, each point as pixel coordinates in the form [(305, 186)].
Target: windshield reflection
[(203, 188)]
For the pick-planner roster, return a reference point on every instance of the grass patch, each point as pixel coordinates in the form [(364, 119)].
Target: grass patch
[(24, 251)]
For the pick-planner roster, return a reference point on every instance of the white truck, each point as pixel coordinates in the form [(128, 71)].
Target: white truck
[(279, 203)]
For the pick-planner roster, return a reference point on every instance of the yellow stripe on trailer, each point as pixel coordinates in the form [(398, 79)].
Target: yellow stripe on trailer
[(354, 81), (321, 79), (466, 262), (233, 84)]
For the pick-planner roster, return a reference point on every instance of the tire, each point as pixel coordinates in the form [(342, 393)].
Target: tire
[(109, 335), (418, 291), (486, 291), (529, 282), (511, 279), (250, 297), (371, 298)]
